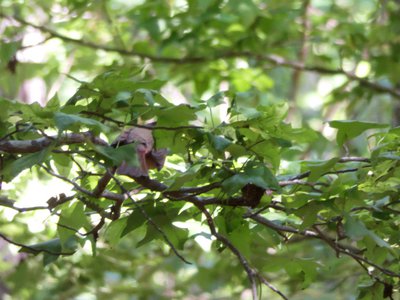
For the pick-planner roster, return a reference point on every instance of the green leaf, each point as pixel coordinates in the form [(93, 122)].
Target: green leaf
[(114, 231), (309, 269), (73, 122), (135, 220), (349, 129), (241, 239), (177, 115), (11, 170), (389, 155), (49, 258), (47, 112), (236, 150), (5, 105), (218, 143), (126, 153), (72, 219), (177, 236), (308, 213), (254, 173), (163, 217), (261, 175), (51, 249), (151, 234), (356, 230), (216, 99), (246, 10), (318, 168), (183, 178), (235, 183), (127, 79), (7, 51), (63, 163)]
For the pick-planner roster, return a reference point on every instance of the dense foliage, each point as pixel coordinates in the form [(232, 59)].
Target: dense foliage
[(279, 119)]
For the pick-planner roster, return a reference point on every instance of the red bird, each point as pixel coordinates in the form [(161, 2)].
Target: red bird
[(148, 157)]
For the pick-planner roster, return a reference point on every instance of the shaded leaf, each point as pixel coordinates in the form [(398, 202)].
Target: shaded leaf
[(349, 129), (27, 161), (73, 122), (356, 230), (254, 173)]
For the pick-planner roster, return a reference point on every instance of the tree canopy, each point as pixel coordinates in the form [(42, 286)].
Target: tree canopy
[(199, 149)]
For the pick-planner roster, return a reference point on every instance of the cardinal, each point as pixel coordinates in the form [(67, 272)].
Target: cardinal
[(149, 158)]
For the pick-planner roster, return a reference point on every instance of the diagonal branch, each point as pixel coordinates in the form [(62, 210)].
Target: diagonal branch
[(105, 194), (148, 218), (340, 249), (33, 249), (277, 227), (318, 234), (252, 274)]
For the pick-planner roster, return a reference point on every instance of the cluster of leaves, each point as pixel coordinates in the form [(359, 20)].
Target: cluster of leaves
[(277, 204), (347, 203)]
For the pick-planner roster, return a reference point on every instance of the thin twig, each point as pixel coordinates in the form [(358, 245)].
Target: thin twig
[(37, 44), (33, 249), (341, 160), (339, 248), (251, 273), (272, 287), (300, 182), (354, 159), (105, 194), (149, 219), (278, 227), (6, 202), (152, 127)]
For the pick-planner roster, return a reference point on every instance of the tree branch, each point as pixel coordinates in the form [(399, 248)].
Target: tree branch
[(251, 273), (354, 159), (149, 219), (105, 194), (278, 227), (338, 247), (271, 58), (6, 202), (31, 146), (119, 123), (302, 52), (341, 160)]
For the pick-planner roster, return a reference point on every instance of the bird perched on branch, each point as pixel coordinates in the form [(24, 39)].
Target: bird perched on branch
[(148, 156)]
